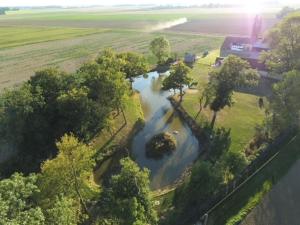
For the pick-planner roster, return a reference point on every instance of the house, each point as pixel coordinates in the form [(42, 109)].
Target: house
[(190, 58), (248, 48)]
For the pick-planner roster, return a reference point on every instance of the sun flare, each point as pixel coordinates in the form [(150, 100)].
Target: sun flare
[(253, 7)]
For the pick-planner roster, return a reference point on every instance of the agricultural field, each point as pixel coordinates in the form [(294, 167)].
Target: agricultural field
[(204, 21), (34, 39), (19, 63)]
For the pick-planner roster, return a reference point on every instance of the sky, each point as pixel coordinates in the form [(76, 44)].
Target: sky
[(115, 2)]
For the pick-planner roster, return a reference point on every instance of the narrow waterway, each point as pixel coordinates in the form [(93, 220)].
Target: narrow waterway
[(161, 117)]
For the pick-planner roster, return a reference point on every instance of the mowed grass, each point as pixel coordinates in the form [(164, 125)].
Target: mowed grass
[(20, 36), (245, 199), (241, 118)]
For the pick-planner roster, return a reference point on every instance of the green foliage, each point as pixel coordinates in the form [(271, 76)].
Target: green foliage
[(160, 47), (285, 11), (16, 201), (3, 10), (160, 144), (252, 202), (178, 78), (127, 201), (53, 103), (234, 73), (69, 173), (63, 212), (285, 46), (15, 106), (135, 64), (232, 164), (205, 181), (219, 144), (285, 105)]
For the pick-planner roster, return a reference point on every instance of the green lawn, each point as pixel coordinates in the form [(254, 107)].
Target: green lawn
[(122, 133), (245, 199), (20, 36), (241, 118)]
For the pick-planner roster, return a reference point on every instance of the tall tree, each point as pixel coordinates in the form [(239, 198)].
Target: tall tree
[(69, 174), (234, 73), (16, 201), (63, 212), (205, 180), (80, 114), (285, 45), (107, 87), (134, 65), (160, 47), (128, 201), (178, 78), (285, 105)]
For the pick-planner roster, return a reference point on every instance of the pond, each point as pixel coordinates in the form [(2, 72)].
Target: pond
[(161, 117)]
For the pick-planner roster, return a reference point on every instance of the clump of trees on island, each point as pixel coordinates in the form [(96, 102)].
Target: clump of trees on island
[(160, 144)]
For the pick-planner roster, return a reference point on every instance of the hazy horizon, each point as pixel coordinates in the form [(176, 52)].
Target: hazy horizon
[(78, 3)]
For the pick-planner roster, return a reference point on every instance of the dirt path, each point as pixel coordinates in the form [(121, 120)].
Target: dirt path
[(281, 206)]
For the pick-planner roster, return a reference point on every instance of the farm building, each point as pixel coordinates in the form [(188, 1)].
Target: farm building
[(190, 58), (248, 48)]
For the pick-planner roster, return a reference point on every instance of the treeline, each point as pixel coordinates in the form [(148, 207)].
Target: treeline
[(53, 103), (52, 117), (3, 10)]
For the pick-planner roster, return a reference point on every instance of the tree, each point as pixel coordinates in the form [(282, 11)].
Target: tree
[(205, 180), (3, 10), (69, 173), (131, 64), (285, 46), (17, 105), (79, 114), (285, 11), (284, 110), (134, 65), (63, 212), (160, 47), (204, 99), (128, 200), (234, 73), (107, 87), (16, 201), (219, 144), (232, 164), (178, 78)]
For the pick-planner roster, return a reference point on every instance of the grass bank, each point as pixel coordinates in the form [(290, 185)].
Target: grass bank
[(245, 199), (120, 132), (241, 118)]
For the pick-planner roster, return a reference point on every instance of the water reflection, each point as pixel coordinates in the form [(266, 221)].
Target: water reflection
[(160, 117)]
